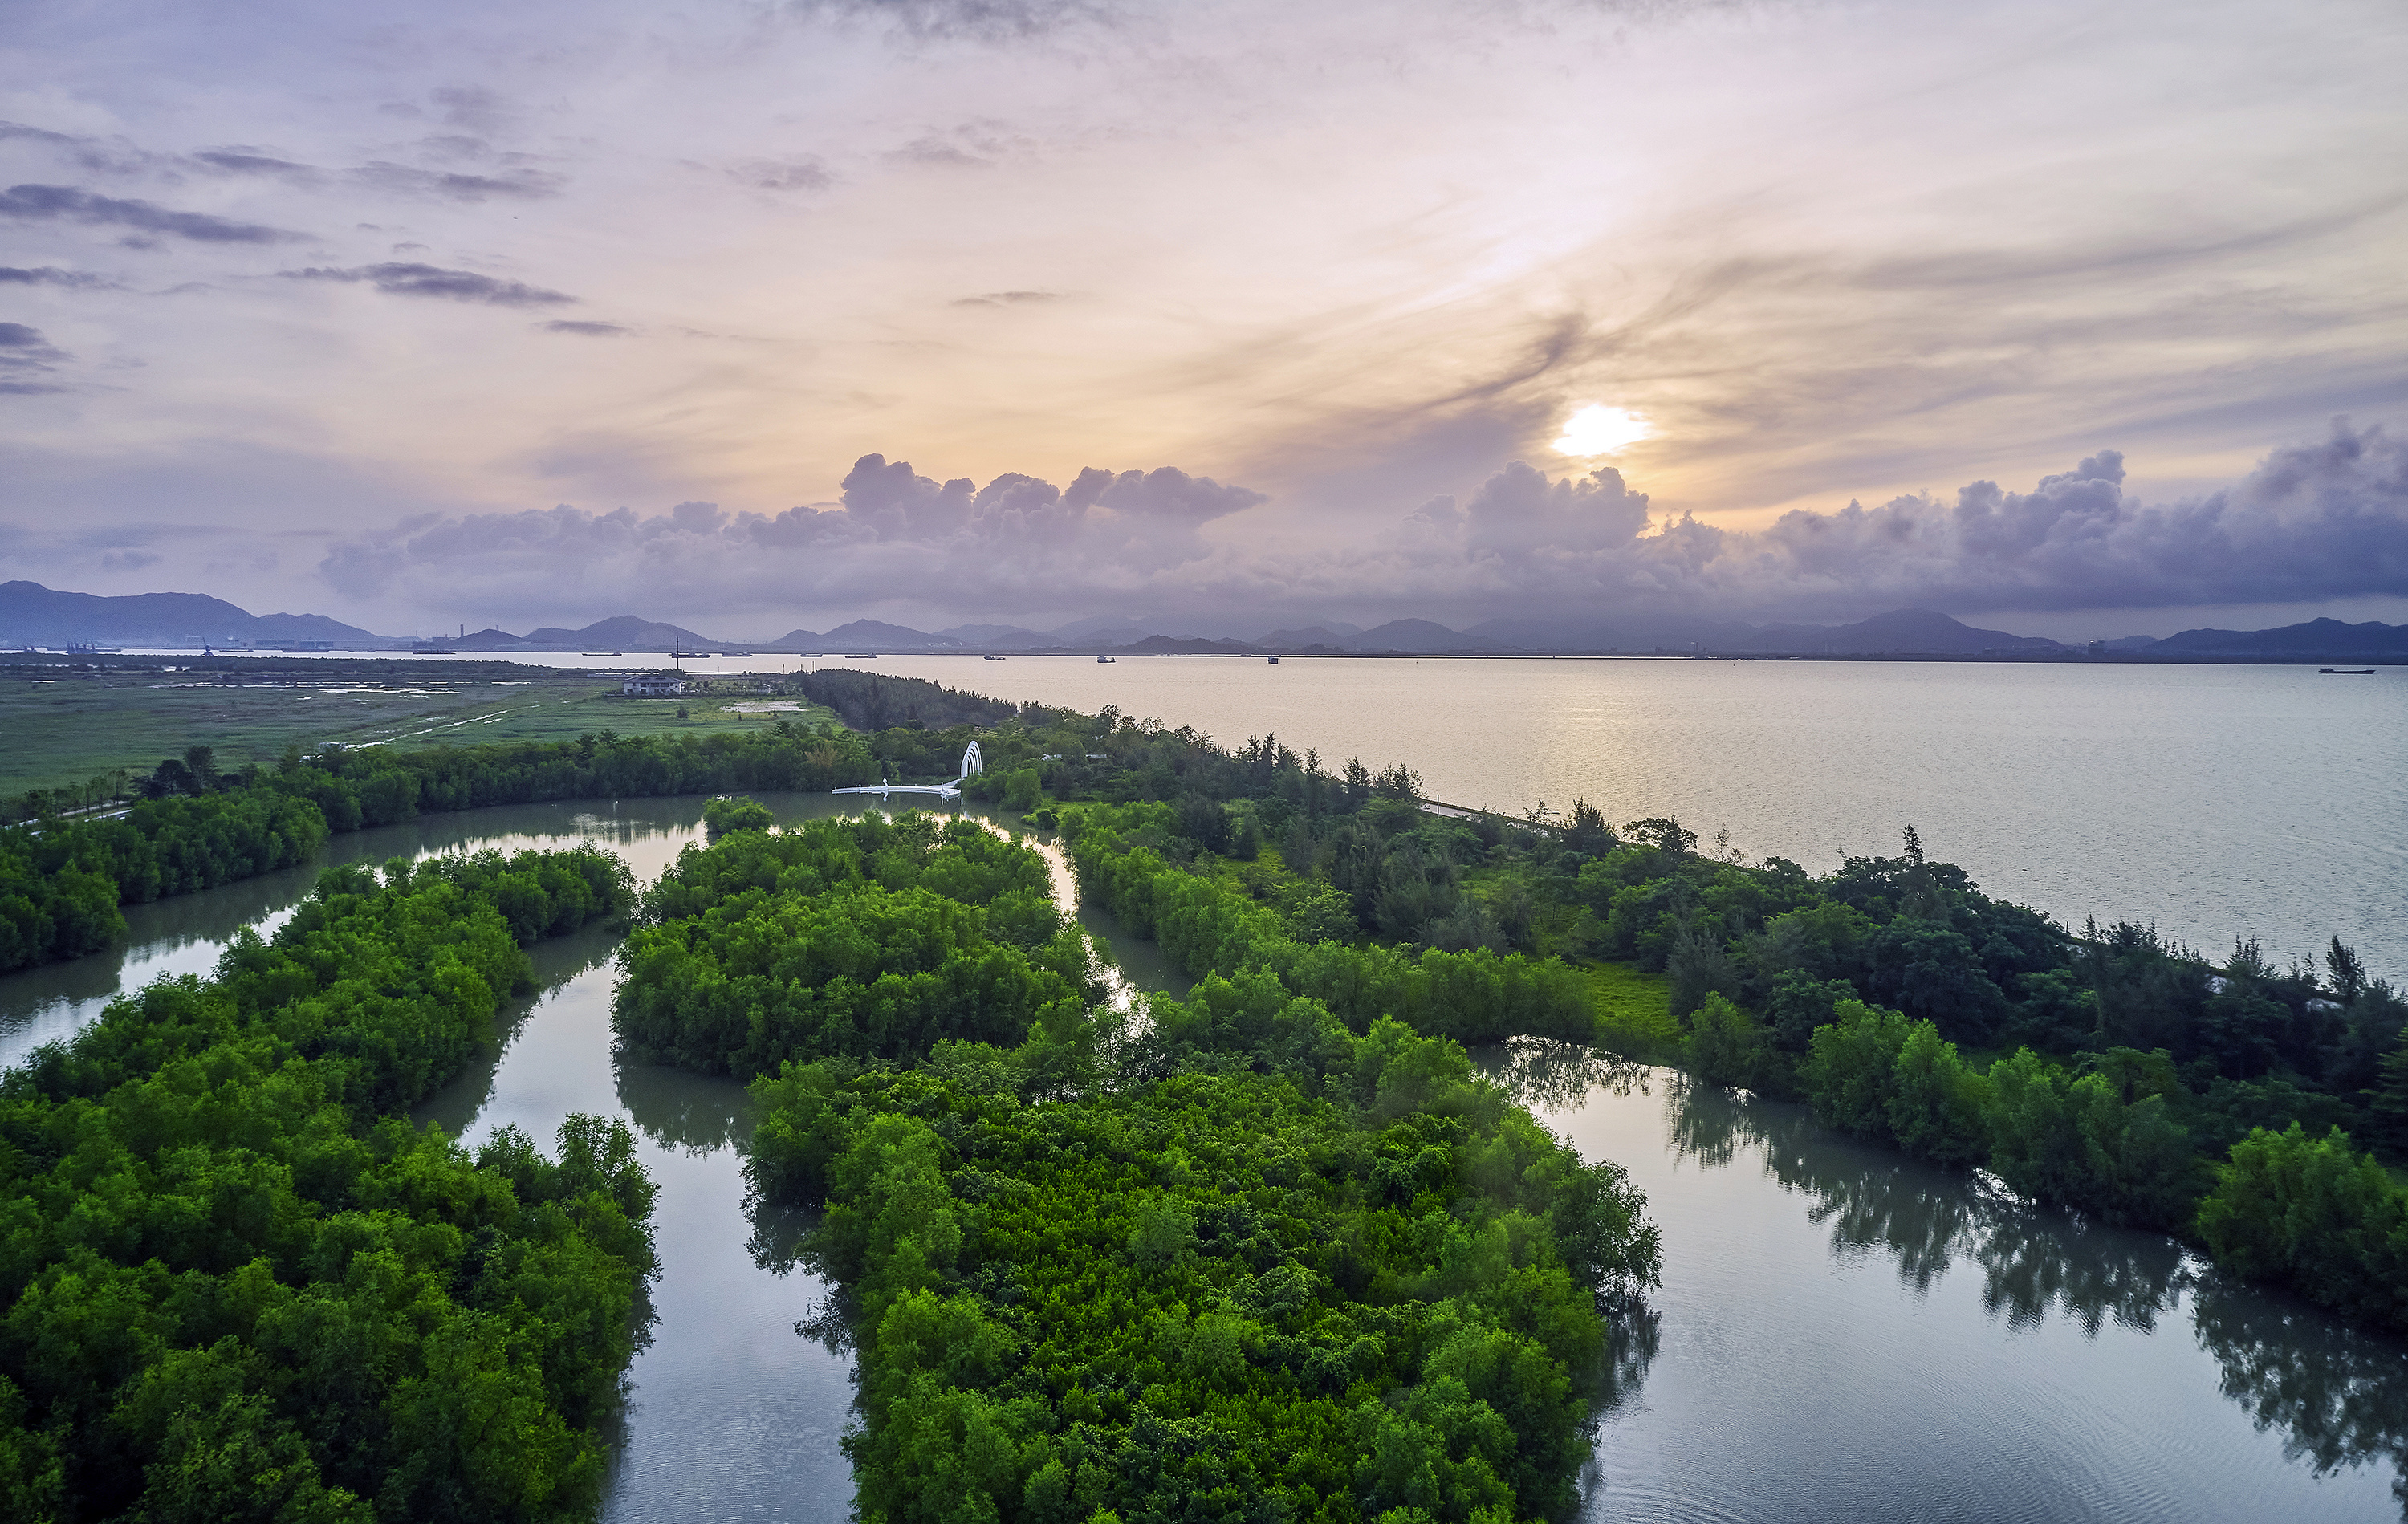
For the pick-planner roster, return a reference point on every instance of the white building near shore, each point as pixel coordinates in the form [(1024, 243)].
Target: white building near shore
[(652, 685)]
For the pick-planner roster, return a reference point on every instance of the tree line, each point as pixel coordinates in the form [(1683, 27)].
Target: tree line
[(1235, 1258), (241, 1285), (2246, 1105), (62, 881)]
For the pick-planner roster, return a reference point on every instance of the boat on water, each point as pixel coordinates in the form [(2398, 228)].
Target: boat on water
[(1104, 661), (861, 656), (1274, 661), (82, 647), (991, 659), (2345, 671), (601, 653), (736, 654)]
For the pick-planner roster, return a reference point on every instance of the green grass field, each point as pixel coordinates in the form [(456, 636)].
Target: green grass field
[(66, 725), (1634, 1010)]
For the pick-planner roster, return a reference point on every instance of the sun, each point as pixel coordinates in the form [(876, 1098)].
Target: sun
[(1599, 430)]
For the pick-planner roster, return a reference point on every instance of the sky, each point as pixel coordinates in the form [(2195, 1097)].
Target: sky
[(2067, 318)]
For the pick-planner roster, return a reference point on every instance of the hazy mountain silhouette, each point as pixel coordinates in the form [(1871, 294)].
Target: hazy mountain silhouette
[(33, 615), (625, 632), (2315, 638)]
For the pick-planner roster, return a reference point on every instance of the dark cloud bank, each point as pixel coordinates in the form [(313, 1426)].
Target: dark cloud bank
[(2316, 521)]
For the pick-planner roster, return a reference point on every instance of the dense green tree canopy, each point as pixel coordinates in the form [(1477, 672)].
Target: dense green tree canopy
[(240, 1285)]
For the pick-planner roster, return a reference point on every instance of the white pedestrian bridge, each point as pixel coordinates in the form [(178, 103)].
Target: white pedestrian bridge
[(971, 767)]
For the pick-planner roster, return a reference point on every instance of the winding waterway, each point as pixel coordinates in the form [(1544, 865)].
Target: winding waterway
[(1841, 1334)]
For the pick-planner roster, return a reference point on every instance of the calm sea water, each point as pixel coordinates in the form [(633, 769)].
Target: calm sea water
[(1841, 1336), (2214, 801)]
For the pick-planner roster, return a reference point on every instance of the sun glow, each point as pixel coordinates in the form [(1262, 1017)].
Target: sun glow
[(1599, 430)]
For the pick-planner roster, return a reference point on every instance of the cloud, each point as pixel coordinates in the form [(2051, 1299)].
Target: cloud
[(525, 185), (894, 533), (591, 329), (806, 174), (1009, 298), (25, 355), (473, 107), (985, 20), (61, 203), (405, 279), (970, 146), (2321, 521), (50, 275), (2313, 521), (85, 152), (241, 161)]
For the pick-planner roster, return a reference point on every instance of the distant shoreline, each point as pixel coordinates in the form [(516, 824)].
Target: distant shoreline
[(321, 663)]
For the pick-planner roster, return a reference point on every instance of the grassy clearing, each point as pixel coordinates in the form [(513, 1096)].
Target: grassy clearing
[(66, 725), (1634, 1010)]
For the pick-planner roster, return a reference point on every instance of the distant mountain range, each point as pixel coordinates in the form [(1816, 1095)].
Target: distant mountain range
[(33, 615), (2317, 638)]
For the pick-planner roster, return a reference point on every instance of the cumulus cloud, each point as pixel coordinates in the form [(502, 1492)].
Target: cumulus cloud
[(66, 203), (893, 533), (410, 279), (2321, 521), (591, 329)]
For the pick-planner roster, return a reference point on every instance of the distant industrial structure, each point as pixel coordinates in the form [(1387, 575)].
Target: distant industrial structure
[(652, 685)]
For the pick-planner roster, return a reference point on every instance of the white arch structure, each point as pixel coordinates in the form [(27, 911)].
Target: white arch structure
[(972, 765)]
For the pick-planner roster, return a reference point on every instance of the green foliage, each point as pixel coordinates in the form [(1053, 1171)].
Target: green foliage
[(871, 938), (721, 816), (1727, 1046), (61, 883), (1322, 1295), (1275, 1255), (2072, 1139), (1205, 925), (2316, 1215), (1023, 789), (1851, 1071), (240, 1285)]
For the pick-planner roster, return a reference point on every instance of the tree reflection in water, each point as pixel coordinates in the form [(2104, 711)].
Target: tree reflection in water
[(1542, 1073), (2338, 1395)]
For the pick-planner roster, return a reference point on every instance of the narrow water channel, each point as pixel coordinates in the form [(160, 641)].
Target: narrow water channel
[(1842, 1334)]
